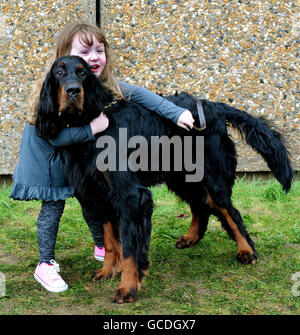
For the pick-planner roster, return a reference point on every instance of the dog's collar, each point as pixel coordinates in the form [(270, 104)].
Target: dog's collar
[(201, 115), (111, 104)]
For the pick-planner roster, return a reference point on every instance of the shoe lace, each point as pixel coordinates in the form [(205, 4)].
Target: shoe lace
[(54, 269)]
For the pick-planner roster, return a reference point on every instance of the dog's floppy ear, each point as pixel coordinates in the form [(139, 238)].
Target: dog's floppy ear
[(47, 122), (96, 97)]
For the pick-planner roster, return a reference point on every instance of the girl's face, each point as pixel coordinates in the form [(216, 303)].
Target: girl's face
[(93, 54)]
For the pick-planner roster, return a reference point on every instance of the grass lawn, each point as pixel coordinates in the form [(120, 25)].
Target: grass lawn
[(205, 279)]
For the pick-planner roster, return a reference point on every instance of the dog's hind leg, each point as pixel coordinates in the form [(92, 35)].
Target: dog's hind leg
[(200, 217), (194, 195), (233, 223), (112, 260), (135, 229)]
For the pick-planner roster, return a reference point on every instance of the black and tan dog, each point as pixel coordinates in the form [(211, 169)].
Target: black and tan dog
[(73, 96)]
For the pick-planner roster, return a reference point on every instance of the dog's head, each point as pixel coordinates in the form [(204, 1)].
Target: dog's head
[(71, 95), (70, 74)]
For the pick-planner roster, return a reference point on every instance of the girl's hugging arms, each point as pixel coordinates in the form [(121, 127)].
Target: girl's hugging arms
[(148, 99), (72, 135)]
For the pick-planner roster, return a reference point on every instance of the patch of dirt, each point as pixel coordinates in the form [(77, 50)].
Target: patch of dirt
[(8, 258)]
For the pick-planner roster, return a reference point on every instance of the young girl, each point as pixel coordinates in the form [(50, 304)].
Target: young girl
[(39, 173)]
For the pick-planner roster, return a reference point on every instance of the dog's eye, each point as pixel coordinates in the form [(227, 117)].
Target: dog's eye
[(60, 72), (82, 73)]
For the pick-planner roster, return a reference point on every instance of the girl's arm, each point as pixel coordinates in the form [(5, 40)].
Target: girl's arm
[(69, 136), (156, 103)]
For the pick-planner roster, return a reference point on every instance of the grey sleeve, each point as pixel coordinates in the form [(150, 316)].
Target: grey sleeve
[(151, 101), (69, 136)]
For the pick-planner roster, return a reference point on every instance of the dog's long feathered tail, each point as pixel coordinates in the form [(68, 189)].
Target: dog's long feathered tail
[(266, 141)]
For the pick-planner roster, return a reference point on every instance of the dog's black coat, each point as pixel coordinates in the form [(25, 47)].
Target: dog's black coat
[(123, 197)]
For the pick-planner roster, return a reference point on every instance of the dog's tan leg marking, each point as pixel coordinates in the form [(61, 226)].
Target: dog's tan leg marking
[(245, 252), (130, 283), (112, 260), (192, 236)]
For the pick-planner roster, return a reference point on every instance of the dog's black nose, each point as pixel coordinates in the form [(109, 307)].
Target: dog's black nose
[(73, 91)]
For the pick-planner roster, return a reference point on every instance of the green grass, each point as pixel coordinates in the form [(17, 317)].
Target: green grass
[(205, 279)]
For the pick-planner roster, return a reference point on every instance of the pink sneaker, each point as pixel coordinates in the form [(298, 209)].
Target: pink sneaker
[(99, 253), (47, 275)]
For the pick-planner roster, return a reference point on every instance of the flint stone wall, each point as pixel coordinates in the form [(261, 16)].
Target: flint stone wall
[(244, 53)]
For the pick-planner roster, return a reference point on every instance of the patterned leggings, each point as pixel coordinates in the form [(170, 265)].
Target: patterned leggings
[(47, 227)]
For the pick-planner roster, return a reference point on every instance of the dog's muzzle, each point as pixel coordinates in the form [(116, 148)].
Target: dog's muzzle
[(73, 90), (70, 99)]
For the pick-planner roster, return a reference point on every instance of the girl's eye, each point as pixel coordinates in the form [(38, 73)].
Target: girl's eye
[(84, 52)]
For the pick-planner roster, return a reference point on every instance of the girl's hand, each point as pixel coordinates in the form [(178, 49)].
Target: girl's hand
[(99, 124), (186, 120)]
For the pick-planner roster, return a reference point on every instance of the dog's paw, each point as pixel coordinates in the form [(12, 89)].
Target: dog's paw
[(105, 273), (184, 242), (100, 275), (123, 296), (247, 258), (97, 275)]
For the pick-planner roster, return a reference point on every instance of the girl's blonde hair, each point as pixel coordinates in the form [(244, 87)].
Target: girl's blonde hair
[(63, 48)]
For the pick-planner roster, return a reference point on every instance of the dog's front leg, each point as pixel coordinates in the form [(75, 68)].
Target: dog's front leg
[(112, 260), (130, 283), (135, 229)]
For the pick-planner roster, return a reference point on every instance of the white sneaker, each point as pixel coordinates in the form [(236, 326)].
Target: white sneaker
[(47, 275)]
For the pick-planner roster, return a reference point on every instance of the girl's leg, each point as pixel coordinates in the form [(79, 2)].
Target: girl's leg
[(95, 227), (46, 272), (94, 222), (47, 227)]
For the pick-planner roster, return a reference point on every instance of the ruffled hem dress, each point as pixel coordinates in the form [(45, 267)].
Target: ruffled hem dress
[(39, 174)]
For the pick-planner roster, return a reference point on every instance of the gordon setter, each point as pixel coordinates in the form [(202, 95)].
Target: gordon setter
[(72, 96)]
